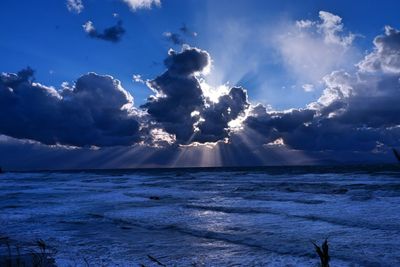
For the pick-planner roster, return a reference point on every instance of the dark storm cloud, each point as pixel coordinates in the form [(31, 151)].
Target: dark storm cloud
[(111, 34), (178, 92), (215, 118), (187, 63), (357, 123), (180, 106), (95, 111), (356, 114), (273, 125)]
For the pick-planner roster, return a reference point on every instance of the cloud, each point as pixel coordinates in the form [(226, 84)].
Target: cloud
[(273, 125), (356, 111), (111, 34), (75, 6), (180, 105), (178, 92), (96, 111), (311, 49), (386, 54), (177, 38), (89, 28), (137, 78), (305, 23), (331, 26), (186, 120), (142, 4), (214, 118), (308, 87)]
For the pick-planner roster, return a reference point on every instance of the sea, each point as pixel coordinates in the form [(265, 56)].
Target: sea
[(247, 216)]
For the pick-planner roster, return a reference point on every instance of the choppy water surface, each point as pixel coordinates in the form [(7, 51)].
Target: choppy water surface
[(227, 217)]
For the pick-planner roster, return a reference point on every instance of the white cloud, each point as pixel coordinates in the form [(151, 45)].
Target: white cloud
[(304, 23), (142, 4), (88, 27), (339, 86), (167, 34), (75, 6), (386, 54), (312, 49), (138, 78), (308, 87), (331, 26)]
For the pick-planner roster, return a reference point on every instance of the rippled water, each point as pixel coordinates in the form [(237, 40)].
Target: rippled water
[(227, 217)]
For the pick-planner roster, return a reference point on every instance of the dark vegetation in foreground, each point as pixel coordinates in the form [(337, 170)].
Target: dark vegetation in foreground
[(323, 253), (36, 254), (39, 254)]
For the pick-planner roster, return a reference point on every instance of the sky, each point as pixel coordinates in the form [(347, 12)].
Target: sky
[(168, 83)]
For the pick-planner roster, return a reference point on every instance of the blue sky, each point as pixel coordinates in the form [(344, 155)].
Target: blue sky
[(49, 38), (203, 83)]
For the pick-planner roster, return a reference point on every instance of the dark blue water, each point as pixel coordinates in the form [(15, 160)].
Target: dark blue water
[(208, 217)]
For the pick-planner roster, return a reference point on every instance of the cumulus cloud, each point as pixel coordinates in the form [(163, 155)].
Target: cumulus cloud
[(386, 54), (272, 125), (180, 105), (311, 49), (96, 111), (332, 27), (178, 92), (75, 6), (214, 119), (111, 34), (142, 4), (356, 113)]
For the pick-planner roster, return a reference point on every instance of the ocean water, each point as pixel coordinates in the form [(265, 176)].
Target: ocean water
[(208, 217)]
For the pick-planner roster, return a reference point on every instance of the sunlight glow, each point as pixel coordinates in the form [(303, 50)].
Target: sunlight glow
[(196, 154), (277, 142), (213, 93), (160, 137), (237, 124)]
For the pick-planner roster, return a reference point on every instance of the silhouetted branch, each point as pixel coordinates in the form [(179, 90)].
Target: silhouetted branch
[(156, 261), (397, 154), (323, 253)]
